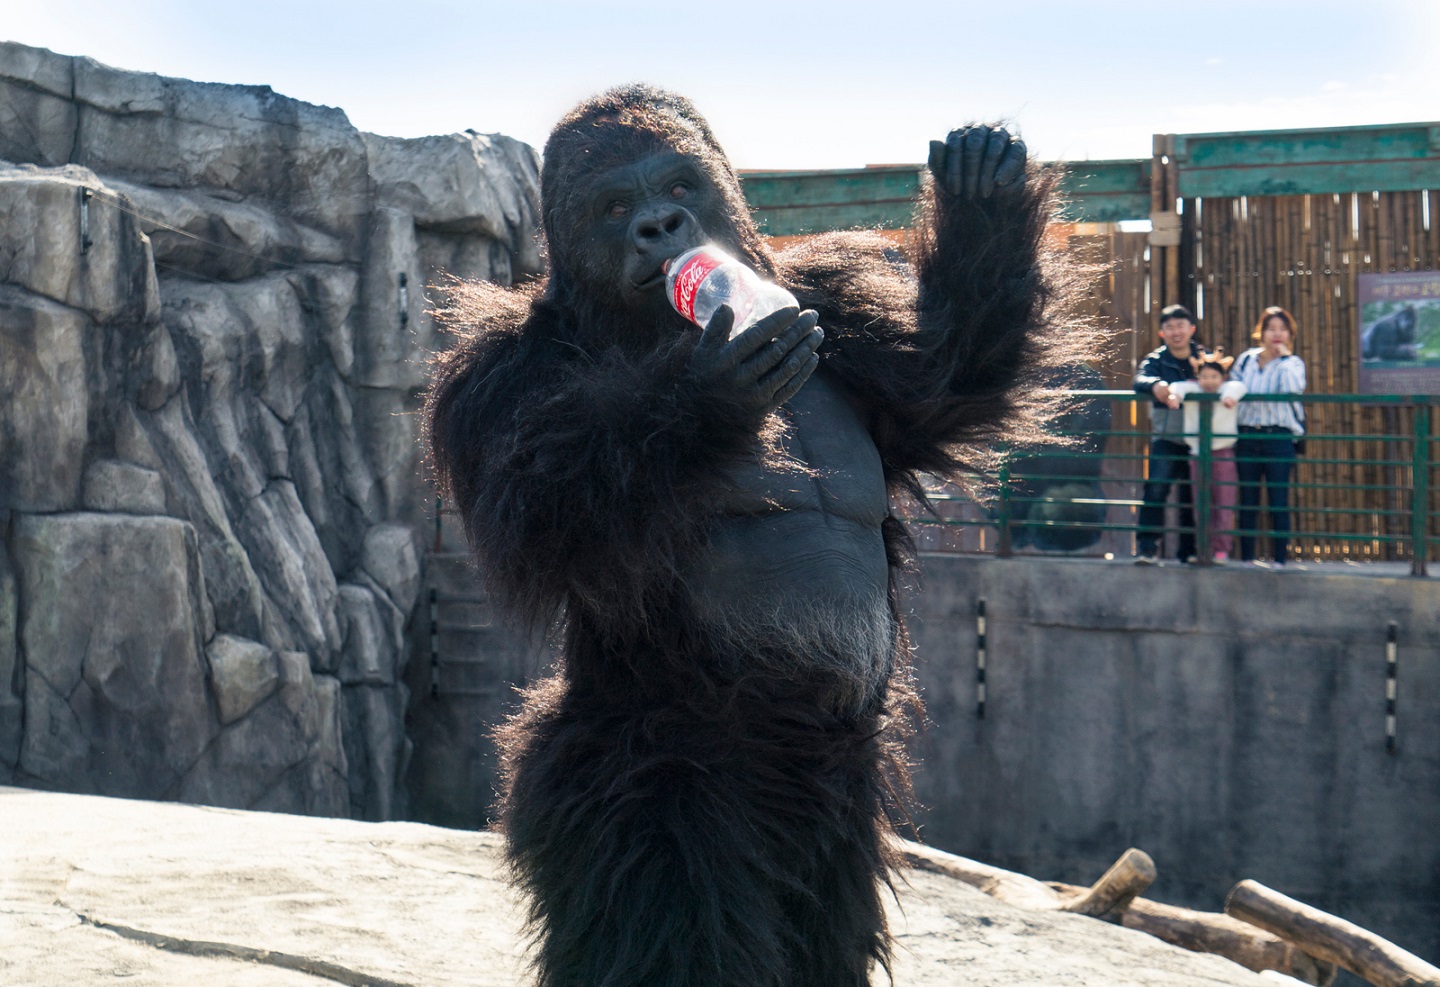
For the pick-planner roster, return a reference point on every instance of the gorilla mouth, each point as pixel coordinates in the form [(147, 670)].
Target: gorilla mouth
[(653, 281)]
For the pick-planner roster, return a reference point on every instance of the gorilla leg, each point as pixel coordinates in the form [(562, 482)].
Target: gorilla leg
[(840, 910), (734, 844)]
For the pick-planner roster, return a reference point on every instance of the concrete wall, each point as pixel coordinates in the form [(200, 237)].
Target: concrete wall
[(1230, 722)]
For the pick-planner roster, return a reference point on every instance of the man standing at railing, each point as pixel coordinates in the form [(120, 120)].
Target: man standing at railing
[(1169, 461)]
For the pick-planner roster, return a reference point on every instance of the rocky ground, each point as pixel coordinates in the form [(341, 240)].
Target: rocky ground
[(99, 890)]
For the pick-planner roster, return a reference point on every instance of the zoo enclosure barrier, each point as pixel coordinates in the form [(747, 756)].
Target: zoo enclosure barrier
[(1366, 488)]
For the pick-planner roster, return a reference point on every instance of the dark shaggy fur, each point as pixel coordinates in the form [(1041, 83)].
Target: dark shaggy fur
[(674, 822)]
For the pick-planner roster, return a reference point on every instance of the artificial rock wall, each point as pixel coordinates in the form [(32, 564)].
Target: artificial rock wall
[(213, 335)]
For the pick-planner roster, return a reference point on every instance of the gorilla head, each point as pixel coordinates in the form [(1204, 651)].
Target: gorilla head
[(633, 177)]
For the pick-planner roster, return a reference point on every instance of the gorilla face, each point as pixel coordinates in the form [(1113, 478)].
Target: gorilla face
[(631, 178), (641, 215)]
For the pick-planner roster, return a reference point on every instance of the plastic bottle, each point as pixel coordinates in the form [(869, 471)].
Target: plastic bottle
[(700, 280)]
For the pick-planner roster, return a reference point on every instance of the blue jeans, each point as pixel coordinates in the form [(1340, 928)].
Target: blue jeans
[(1169, 466), (1268, 458)]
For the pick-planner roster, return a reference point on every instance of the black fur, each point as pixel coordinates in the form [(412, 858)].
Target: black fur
[(674, 822)]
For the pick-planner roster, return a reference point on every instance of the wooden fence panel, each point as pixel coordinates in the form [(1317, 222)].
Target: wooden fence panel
[(1305, 253), (1302, 252)]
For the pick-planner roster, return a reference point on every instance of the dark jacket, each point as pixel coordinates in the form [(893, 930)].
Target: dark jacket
[(1162, 365)]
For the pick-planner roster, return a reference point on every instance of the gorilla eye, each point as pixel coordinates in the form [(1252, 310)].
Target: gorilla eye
[(617, 210), (679, 190)]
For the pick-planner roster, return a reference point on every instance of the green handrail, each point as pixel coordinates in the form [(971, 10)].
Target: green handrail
[(1384, 490), (1420, 492)]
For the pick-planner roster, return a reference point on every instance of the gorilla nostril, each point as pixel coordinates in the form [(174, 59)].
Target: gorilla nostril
[(673, 223)]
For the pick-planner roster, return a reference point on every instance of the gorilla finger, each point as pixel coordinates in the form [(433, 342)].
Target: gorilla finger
[(936, 164), (976, 140), (1011, 173), (753, 339), (792, 386), (798, 335), (994, 153), (717, 330), (793, 362), (955, 161)]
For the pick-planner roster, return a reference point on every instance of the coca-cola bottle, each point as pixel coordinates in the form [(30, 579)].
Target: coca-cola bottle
[(699, 281)]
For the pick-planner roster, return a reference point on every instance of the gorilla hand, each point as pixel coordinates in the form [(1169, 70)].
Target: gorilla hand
[(978, 161), (765, 365)]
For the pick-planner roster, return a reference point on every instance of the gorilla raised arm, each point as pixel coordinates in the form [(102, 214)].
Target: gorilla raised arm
[(698, 796)]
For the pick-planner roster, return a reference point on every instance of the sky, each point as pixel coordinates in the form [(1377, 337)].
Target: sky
[(795, 85)]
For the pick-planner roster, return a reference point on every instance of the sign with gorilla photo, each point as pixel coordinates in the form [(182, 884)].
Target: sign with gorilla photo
[(1400, 333)]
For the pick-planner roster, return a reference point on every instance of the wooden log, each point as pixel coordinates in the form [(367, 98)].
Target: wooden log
[(1202, 932), (1329, 938), (1211, 932), (1108, 897), (1237, 941), (1008, 886)]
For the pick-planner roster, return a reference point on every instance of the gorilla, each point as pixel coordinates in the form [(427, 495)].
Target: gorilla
[(701, 793), (1391, 338)]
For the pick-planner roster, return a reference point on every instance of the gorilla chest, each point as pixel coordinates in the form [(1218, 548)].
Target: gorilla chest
[(806, 540), (842, 478)]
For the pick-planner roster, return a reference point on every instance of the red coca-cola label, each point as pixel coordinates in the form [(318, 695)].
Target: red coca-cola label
[(688, 279)]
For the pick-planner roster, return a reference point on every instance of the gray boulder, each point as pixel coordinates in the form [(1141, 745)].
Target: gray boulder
[(100, 264), (285, 755), (331, 469), (212, 238), (392, 559), (44, 402), (246, 140), (299, 585), (154, 371), (370, 650), (377, 751), (477, 184), (242, 674), (394, 337), (37, 116), (115, 486), (246, 345), (12, 708), (115, 691), (329, 293), (388, 429), (231, 582)]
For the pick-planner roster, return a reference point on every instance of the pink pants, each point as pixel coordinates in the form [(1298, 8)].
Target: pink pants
[(1223, 490)]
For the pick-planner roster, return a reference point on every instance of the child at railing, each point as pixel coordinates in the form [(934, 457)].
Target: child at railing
[(1210, 370)]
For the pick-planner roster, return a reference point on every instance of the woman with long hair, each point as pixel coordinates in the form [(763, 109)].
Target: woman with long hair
[(1265, 454)]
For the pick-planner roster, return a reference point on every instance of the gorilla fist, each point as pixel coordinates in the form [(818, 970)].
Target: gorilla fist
[(977, 162)]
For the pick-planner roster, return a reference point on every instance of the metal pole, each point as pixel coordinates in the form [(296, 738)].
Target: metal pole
[(1420, 487), (1203, 457), (85, 240), (1391, 662), (434, 642), (980, 659)]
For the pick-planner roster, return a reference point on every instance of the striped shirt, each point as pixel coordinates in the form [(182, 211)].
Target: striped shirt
[(1282, 375)]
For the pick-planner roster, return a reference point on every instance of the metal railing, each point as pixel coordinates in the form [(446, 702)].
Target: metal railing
[(1366, 489)]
